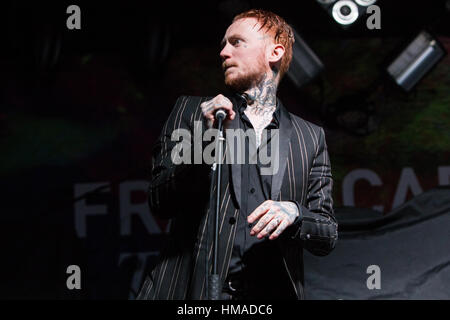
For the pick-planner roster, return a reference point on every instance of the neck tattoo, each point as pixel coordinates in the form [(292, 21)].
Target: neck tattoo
[(261, 104), (264, 93)]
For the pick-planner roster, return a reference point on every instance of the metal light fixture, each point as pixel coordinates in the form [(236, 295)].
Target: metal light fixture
[(346, 12), (416, 60), (305, 65), (365, 3)]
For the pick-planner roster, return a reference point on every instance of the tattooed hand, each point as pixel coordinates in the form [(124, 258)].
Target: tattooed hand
[(274, 217), (218, 102)]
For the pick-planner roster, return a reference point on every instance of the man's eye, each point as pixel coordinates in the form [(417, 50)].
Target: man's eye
[(236, 41)]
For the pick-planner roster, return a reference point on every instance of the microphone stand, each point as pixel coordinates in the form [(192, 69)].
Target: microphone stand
[(214, 285)]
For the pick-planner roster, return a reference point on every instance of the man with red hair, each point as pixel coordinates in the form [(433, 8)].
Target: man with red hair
[(265, 219)]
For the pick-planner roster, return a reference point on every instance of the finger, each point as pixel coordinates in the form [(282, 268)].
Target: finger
[(221, 105), (227, 105), (262, 223), (231, 114), (272, 225), (281, 227), (219, 102), (259, 211), (208, 105), (207, 108)]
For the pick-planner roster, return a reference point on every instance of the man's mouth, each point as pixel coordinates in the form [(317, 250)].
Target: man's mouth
[(228, 67)]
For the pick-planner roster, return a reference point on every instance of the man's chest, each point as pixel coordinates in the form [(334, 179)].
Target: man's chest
[(259, 121)]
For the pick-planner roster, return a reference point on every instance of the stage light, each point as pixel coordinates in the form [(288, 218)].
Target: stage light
[(416, 60), (365, 3), (305, 64), (326, 1), (346, 12)]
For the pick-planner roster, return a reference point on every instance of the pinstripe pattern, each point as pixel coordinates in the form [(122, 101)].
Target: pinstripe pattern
[(306, 179)]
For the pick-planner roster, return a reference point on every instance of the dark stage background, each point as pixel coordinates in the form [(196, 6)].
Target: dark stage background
[(80, 110)]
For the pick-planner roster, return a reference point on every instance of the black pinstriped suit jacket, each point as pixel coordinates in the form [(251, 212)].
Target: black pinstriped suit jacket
[(181, 192)]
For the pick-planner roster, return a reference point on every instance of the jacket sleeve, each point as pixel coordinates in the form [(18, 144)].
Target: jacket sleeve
[(171, 183), (316, 227)]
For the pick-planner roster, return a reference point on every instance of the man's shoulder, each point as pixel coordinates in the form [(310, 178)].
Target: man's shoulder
[(191, 100), (186, 104), (302, 123)]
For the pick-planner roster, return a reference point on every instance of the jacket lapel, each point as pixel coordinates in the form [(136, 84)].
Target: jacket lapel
[(234, 167), (284, 140)]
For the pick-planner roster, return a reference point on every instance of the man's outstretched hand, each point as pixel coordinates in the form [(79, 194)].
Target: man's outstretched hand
[(274, 217)]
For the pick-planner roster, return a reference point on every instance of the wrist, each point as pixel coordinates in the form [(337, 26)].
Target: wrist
[(299, 215)]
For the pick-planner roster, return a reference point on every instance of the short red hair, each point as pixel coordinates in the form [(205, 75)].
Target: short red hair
[(275, 25)]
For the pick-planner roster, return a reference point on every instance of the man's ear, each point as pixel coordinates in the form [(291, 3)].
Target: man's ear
[(276, 53)]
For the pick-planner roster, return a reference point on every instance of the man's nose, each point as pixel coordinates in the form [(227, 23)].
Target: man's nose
[(225, 53)]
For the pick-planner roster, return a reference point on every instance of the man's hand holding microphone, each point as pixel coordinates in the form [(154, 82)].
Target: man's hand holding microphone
[(219, 102)]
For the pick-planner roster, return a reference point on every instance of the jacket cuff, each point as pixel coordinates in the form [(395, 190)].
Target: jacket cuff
[(297, 224)]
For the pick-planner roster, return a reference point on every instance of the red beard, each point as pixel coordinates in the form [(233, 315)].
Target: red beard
[(242, 83)]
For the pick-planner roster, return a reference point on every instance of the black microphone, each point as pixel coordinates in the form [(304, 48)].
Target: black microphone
[(220, 114)]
